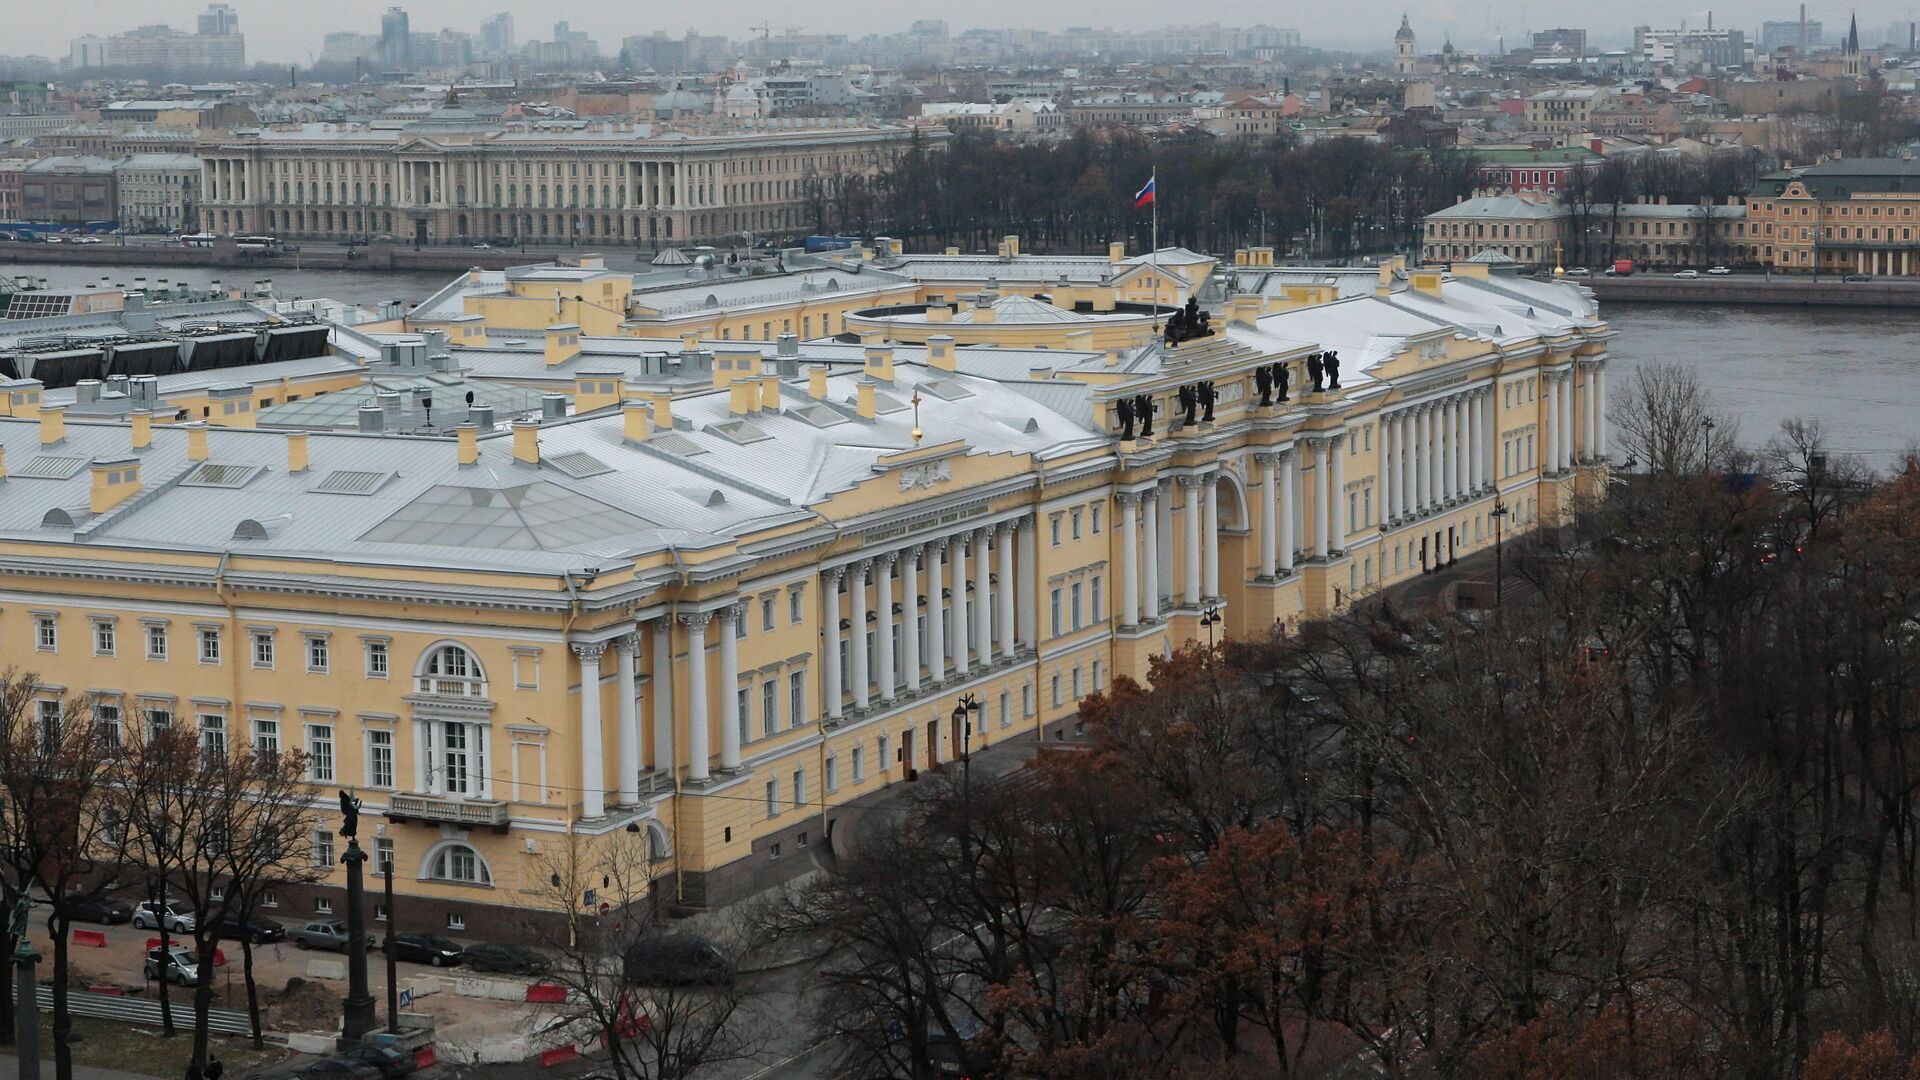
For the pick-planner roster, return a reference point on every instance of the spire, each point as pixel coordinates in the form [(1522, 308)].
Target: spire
[(1853, 34)]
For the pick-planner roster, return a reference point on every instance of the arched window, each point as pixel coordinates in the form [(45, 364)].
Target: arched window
[(456, 862), (658, 848), (451, 670)]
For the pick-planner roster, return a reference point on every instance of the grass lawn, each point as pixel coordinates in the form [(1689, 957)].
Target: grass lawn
[(136, 1048)]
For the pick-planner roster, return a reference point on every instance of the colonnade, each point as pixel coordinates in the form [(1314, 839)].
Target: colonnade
[(1437, 452)]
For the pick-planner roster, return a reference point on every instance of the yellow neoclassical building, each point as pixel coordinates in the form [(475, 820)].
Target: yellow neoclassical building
[(701, 622)]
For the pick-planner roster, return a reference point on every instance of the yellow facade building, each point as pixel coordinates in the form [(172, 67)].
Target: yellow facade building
[(700, 624)]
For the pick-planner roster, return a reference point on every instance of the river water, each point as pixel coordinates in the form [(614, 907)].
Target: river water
[(1856, 370)]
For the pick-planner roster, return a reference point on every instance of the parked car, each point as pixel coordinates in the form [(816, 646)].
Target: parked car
[(339, 1066), (177, 965), (427, 949), (1579, 271), (676, 960), (1719, 271), (1857, 277), (391, 1063), (505, 959), (483, 247), (327, 934), (105, 912), (1687, 274), (259, 931), (149, 914)]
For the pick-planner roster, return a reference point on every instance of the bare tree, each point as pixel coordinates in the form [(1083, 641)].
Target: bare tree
[(57, 829), (1667, 423), (666, 1005)]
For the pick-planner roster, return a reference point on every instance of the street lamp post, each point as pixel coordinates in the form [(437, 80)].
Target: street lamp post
[(1210, 618), (964, 713), (357, 1018), (1499, 515)]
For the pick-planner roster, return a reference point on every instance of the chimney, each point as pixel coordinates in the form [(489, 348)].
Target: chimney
[(1426, 281), (1384, 286), (769, 393), (940, 353), (113, 482), (817, 382), (662, 411), (1116, 251), (636, 421), (142, 429), (951, 251), (197, 441), (372, 418), (480, 416), (789, 345), (469, 436), (864, 402), (880, 362), (595, 390), (743, 396), (1113, 357), (53, 424), (1245, 311), (1080, 340), (526, 441), (86, 391), (553, 406), (296, 451), (563, 343), (939, 313), (3, 464), (1012, 240)]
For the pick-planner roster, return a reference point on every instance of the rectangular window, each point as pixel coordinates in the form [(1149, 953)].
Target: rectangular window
[(317, 655), (796, 697), (266, 735), (1055, 523), (262, 649), (46, 638), (158, 719), (456, 921), (1099, 608), (1077, 692), (320, 752), (766, 612), (1099, 683), (380, 759), (1006, 709), (1076, 606), (1054, 601), (859, 764), (322, 906), (382, 856), (322, 848), (773, 798), (1096, 519), (883, 744), (106, 717), (209, 645), (769, 708), (1056, 690), (156, 643), (213, 735), (103, 638), (1026, 699), (799, 788), (832, 774), (1076, 524), (377, 660)]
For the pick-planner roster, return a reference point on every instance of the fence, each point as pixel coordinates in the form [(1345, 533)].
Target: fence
[(133, 1010)]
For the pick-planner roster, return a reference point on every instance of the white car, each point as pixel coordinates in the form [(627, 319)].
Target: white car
[(88, 240), (1719, 271), (148, 915), (1688, 274)]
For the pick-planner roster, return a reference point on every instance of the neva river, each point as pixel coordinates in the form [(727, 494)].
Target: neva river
[(1856, 370)]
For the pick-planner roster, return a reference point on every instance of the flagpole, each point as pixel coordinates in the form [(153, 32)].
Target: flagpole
[(1153, 184)]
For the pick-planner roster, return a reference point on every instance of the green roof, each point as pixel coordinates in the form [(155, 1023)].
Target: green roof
[(1844, 178), (1526, 155)]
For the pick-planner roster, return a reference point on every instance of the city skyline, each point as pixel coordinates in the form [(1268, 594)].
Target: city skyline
[(274, 40)]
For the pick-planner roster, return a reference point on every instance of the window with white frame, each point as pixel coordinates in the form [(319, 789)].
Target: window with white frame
[(1099, 608), (49, 716), (463, 757), (379, 660), (322, 906), (859, 764), (773, 798), (263, 648), (1054, 609), (213, 735), (769, 708), (882, 749), (266, 735), (379, 758), (458, 862), (796, 697), (799, 788), (831, 774), (1006, 709), (209, 645), (1076, 523), (156, 641), (766, 612), (46, 634), (103, 638), (320, 753), (456, 921), (1077, 589), (106, 717), (382, 856), (452, 671), (1096, 512), (322, 847), (319, 654), (1056, 690), (159, 718), (796, 604)]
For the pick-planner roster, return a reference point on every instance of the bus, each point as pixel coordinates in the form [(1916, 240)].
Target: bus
[(257, 243), (196, 239)]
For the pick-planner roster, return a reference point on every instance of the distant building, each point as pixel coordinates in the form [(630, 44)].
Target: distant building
[(496, 34), (158, 192), (219, 20), (1791, 34), (396, 39), (1560, 42), (218, 45), (1568, 110), (1849, 214), (1406, 50), (68, 190)]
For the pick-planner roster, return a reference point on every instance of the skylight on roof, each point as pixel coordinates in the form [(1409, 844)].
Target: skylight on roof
[(819, 416), (946, 389), (212, 474), (739, 431), (350, 482), (51, 467), (579, 464), (675, 443)]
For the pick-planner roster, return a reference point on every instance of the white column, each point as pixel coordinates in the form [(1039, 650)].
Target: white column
[(857, 637), (1210, 536), (698, 767), (1129, 558), (982, 598), (830, 635), (884, 661), (1473, 442), (1445, 442), (1323, 468), (627, 734), (1396, 428), (663, 696), (936, 612), (910, 608), (1462, 454), (1418, 460), (1289, 484), (1026, 531), (1003, 542), (1389, 479), (957, 632), (1435, 494), (1492, 436), (1551, 440), (1337, 501), (1150, 554), (1600, 410), (1589, 446), (1269, 516), (730, 686), (1571, 408), (1190, 528), (593, 770)]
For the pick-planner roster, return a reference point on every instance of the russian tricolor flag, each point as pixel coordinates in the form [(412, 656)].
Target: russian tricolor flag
[(1144, 196)]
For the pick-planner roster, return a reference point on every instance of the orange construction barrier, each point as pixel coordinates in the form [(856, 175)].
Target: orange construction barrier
[(546, 994), (424, 1057), (560, 1055), (153, 943), (219, 957), (95, 938)]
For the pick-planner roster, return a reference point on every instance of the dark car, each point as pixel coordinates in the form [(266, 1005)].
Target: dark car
[(426, 949), (676, 960), (391, 1063), (232, 927), (505, 959), (105, 912)]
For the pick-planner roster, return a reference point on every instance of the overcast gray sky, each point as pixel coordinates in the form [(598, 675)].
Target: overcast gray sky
[(287, 30)]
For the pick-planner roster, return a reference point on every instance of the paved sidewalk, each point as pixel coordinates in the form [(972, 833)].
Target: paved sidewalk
[(10, 1066)]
